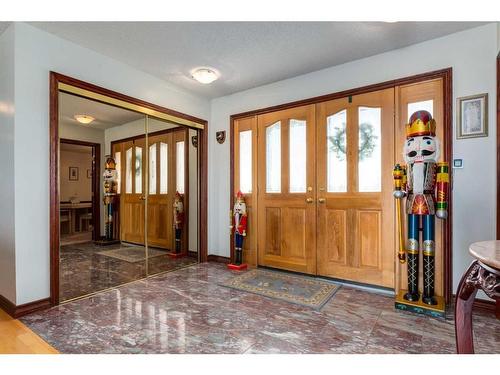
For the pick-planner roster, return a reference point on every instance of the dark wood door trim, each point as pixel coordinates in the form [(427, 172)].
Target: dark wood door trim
[(445, 74), (96, 185), (152, 134), (498, 146), (54, 80)]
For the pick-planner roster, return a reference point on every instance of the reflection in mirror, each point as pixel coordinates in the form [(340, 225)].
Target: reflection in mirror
[(120, 218), (93, 253), (172, 202)]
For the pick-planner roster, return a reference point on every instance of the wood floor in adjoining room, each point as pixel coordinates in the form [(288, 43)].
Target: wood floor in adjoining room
[(16, 338), (187, 311)]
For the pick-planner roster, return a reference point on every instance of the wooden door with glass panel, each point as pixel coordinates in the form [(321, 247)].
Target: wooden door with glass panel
[(161, 191), (355, 155), (286, 193), (167, 173), (245, 180), (132, 196)]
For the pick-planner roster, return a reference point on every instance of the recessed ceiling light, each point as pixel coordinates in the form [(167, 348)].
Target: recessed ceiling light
[(205, 75), (84, 119)]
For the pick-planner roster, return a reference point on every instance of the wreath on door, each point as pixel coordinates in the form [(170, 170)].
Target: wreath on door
[(366, 144)]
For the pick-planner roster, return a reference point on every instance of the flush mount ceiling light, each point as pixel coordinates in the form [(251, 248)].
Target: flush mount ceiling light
[(84, 119), (205, 75)]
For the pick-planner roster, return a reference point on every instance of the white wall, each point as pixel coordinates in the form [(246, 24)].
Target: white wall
[(37, 53), (471, 54), (7, 232)]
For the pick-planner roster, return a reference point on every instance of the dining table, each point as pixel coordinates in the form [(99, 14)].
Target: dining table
[(74, 209)]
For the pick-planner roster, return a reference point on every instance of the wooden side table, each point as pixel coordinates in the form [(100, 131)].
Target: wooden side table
[(484, 274)]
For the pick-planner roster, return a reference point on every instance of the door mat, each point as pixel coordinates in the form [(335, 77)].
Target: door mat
[(301, 290)]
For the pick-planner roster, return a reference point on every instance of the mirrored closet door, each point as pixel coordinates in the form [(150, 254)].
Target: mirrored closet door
[(128, 187)]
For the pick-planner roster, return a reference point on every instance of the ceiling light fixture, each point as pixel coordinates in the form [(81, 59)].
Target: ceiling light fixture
[(84, 119), (205, 75)]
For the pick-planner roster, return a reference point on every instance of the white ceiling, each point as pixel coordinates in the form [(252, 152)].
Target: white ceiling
[(247, 54), (106, 116)]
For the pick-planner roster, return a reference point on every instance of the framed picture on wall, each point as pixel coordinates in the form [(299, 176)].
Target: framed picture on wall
[(472, 116), (73, 173)]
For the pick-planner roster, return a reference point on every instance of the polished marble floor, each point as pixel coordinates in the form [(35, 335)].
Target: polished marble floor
[(187, 311), (84, 270)]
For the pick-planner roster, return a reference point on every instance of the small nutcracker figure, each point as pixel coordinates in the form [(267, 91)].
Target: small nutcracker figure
[(178, 221), (239, 229), (110, 177), (424, 183)]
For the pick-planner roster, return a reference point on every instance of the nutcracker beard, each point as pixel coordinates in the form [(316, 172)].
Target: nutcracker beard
[(421, 154)]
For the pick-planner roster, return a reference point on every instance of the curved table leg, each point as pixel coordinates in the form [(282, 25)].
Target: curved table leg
[(466, 294)]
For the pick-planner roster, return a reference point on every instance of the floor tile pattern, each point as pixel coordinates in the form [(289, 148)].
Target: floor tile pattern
[(83, 270), (186, 311)]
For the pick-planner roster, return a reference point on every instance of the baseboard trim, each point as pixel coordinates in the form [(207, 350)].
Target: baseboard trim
[(7, 306), (218, 259), (24, 309), (484, 305)]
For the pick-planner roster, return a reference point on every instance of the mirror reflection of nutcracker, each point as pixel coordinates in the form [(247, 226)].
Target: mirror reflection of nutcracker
[(110, 177), (239, 226), (424, 183), (178, 220)]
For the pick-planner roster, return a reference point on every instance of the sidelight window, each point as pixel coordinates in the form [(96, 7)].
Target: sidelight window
[(180, 166), (426, 105), (118, 163), (246, 161)]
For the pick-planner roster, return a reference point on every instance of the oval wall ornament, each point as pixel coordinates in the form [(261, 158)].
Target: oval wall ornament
[(220, 136)]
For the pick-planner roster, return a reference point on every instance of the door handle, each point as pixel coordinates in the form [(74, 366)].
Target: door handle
[(142, 198), (321, 200), (309, 200)]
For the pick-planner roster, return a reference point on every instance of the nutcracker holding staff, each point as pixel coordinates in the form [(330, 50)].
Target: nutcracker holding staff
[(110, 177), (239, 229), (424, 183), (178, 220)]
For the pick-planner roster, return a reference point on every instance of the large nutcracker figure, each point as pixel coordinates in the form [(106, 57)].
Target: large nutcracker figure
[(110, 177), (178, 221), (239, 230), (424, 183)]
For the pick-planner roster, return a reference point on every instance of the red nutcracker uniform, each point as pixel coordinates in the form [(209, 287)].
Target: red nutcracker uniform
[(424, 183), (178, 220), (239, 226)]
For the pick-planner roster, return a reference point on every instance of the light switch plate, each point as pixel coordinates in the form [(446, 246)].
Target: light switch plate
[(458, 163)]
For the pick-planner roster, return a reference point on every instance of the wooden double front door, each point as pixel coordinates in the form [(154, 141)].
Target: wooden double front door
[(324, 188), (317, 180)]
